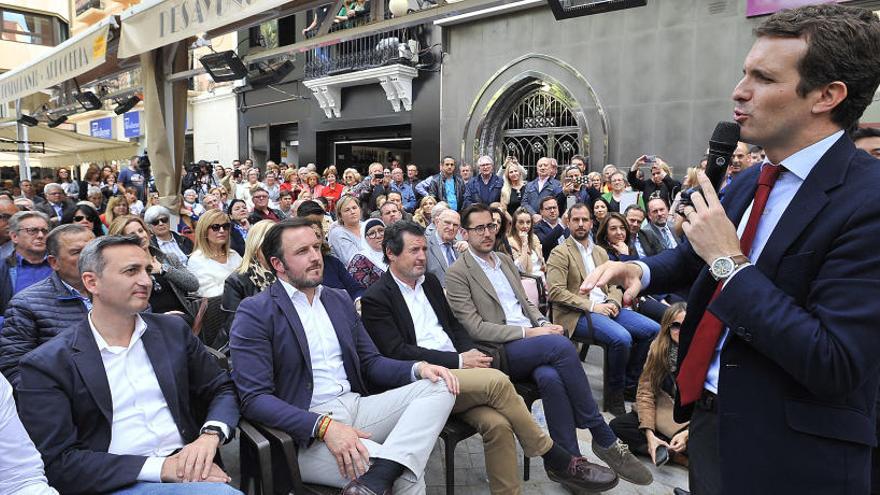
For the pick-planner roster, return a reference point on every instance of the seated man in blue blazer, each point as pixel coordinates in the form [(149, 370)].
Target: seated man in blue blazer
[(304, 364), (110, 403)]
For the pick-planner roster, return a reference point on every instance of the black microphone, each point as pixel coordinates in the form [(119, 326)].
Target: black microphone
[(722, 144)]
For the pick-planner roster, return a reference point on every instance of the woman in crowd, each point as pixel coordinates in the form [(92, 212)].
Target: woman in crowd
[(70, 186), (238, 214), (345, 235), (313, 184), (613, 236), (106, 171), (272, 187), (332, 190), (595, 179), (291, 182), (252, 276), (116, 207), (135, 206), (172, 282), (615, 195), (212, 259), (600, 211), (422, 216), (92, 178), (96, 197), (174, 245), (84, 214), (525, 246), (500, 217), (650, 425), (110, 188), (350, 179), (368, 265), (514, 181)]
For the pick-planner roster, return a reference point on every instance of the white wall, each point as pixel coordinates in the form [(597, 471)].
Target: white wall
[(215, 126)]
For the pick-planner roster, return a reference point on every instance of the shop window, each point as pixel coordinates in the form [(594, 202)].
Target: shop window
[(35, 29)]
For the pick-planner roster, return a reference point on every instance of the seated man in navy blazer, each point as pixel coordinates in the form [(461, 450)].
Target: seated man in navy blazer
[(304, 364), (110, 403), (408, 317)]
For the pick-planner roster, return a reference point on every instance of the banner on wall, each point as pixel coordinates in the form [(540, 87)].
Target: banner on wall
[(131, 124), (101, 128)]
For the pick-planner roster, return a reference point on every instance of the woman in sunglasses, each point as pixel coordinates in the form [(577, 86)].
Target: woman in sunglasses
[(158, 218), (213, 260), (84, 214), (172, 282), (649, 429)]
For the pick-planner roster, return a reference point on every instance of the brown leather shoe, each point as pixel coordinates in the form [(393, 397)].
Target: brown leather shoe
[(355, 487), (583, 475)]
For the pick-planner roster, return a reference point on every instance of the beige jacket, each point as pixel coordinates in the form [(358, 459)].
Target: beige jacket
[(476, 305), (565, 273), (655, 410)]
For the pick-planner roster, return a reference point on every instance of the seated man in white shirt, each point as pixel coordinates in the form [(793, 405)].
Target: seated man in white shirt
[(110, 403), (21, 469)]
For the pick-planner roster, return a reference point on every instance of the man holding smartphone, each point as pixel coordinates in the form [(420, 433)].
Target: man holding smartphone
[(661, 184)]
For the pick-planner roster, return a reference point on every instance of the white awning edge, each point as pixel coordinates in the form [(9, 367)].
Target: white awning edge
[(75, 56), (157, 23)]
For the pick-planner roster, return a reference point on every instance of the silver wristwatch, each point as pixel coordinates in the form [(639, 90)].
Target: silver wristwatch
[(723, 267)]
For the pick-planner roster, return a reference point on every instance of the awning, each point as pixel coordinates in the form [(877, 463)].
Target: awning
[(155, 23), (75, 56), (66, 148)]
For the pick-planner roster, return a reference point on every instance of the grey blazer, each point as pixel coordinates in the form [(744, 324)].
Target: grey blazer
[(437, 264)]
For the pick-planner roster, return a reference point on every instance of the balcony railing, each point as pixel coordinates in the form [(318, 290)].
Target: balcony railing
[(390, 47), (83, 6)]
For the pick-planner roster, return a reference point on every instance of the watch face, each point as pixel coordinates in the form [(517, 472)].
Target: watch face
[(722, 267)]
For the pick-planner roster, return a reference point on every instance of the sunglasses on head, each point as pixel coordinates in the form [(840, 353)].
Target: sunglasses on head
[(217, 226), (159, 221)]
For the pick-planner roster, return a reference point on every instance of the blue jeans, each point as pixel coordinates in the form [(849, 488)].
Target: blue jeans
[(552, 362), (627, 331), (143, 488)]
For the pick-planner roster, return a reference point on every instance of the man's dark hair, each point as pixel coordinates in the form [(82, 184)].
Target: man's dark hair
[(393, 240), (843, 44), (634, 207), (284, 193), (755, 148), (53, 240), (544, 200), (395, 193), (579, 206), (581, 158), (309, 208), (661, 198), (388, 203), (322, 200), (91, 259), (865, 132), (470, 210), (272, 247)]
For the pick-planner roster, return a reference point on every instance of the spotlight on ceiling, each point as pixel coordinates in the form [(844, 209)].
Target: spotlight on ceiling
[(53, 123), (89, 100), (27, 120), (126, 105), (224, 66), (273, 74)]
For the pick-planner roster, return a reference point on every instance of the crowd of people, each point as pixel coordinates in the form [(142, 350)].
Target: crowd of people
[(360, 314)]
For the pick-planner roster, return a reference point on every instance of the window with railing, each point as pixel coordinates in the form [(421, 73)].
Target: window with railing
[(35, 29), (84, 5), (396, 46)]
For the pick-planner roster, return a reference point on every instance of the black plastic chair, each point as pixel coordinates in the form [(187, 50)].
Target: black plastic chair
[(283, 447), (529, 393), (255, 455), (453, 432)]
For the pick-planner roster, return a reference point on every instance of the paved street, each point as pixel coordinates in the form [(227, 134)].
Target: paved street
[(470, 477)]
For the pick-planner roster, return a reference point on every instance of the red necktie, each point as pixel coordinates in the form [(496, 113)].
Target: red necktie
[(692, 375)]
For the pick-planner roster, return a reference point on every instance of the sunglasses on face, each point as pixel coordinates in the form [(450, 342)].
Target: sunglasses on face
[(215, 227), (79, 218), (674, 327), (159, 221)]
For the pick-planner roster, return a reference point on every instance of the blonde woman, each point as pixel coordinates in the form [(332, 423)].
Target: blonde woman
[(525, 247), (422, 216), (252, 276), (212, 260), (514, 180), (116, 207)]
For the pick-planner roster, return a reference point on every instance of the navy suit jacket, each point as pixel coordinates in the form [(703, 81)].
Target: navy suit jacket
[(65, 403), (389, 322), (273, 367), (800, 370), (472, 191)]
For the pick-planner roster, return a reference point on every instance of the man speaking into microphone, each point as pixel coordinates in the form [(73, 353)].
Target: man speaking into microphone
[(779, 355)]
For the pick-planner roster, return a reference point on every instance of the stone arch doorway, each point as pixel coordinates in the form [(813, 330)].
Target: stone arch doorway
[(536, 106)]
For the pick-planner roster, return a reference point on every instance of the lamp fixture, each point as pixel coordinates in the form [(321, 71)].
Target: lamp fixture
[(126, 105), (224, 66), (272, 74), (565, 9), (53, 123), (27, 120), (89, 100)]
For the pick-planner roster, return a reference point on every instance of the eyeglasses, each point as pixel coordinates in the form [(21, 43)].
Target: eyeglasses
[(217, 226), (262, 196), (375, 234), (5, 216), (32, 231), (481, 229), (79, 218), (159, 221), (674, 327)]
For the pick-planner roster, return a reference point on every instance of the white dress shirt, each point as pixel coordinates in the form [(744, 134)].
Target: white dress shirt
[(21, 468), (172, 249), (797, 167), (429, 332), (328, 370), (513, 311), (597, 295)]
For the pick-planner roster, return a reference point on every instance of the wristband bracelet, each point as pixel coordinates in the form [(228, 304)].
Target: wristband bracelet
[(322, 427)]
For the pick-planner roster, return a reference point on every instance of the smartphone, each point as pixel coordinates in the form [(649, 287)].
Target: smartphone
[(650, 158), (661, 456), (378, 176)]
